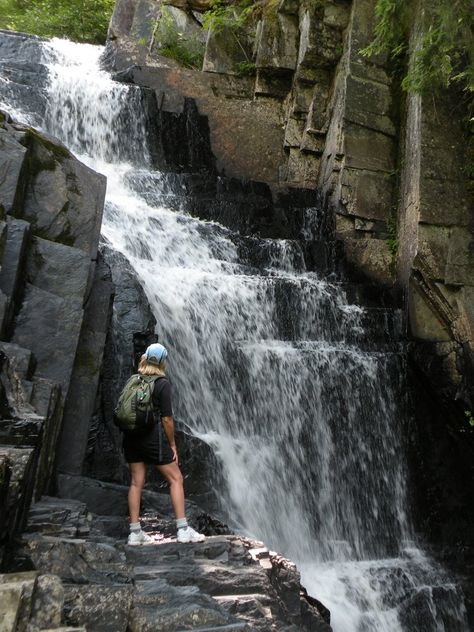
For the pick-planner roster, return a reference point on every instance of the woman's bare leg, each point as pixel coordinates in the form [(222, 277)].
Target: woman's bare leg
[(138, 473), (173, 475)]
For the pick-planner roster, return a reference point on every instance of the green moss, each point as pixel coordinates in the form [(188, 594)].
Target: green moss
[(58, 150), (246, 68)]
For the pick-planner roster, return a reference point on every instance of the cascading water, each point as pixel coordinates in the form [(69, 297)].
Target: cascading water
[(272, 367)]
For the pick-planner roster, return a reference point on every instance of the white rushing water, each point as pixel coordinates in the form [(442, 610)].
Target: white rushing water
[(270, 370)]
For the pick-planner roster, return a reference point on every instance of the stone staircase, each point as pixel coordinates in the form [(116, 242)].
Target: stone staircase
[(91, 580)]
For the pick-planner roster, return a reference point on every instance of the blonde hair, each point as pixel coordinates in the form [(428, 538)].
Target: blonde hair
[(147, 368)]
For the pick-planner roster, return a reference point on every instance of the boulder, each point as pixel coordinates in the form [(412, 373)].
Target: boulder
[(62, 198)]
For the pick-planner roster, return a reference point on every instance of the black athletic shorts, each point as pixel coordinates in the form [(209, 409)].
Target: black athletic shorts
[(146, 448)]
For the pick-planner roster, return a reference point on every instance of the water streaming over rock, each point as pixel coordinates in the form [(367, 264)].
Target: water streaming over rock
[(300, 393)]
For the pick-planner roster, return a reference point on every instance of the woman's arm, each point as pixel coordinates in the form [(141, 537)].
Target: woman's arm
[(168, 426)]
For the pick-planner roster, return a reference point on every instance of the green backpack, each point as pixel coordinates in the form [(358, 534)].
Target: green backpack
[(134, 410)]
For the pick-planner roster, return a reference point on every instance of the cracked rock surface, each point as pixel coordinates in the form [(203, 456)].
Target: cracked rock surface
[(74, 571)]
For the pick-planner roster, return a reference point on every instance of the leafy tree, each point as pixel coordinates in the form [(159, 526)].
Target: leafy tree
[(78, 20)]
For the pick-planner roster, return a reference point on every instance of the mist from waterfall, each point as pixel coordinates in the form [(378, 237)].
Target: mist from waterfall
[(271, 366)]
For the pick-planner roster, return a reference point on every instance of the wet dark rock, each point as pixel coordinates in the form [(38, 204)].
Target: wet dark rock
[(12, 157), (58, 211), (131, 317), (82, 395), (41, 311), (47, 242), (45, 258)]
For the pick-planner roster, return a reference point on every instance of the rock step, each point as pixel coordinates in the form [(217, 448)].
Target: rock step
[(214, 548), (223, 628), (161, 607), (213, 579), (76, 561), (59, 517)]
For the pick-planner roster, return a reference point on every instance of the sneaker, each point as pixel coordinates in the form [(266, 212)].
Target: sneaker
[(139, 537), (189, 535)]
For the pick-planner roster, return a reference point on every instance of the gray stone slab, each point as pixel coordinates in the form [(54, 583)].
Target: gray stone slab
[(160, 607), (44, 396), (12, 156), (4, 313), (50, 325), (81, 399), (10, 605), (64, 198), (14, 257), (76, 560), (98, 608), (58, 269)]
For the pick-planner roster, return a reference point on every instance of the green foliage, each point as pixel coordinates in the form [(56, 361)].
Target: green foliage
[(78, 20), (392, 240), (187, 50), (246, 68), (443, 58), (222, 16), (446, 52), (469, 417), (236, 15)]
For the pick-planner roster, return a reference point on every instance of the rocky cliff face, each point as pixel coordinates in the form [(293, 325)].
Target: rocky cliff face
[(55, 300), (318, 114)]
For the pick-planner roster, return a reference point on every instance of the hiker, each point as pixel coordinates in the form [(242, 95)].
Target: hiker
[(158, 448)]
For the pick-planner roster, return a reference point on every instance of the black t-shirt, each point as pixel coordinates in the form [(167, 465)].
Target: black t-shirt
[(162, 397)]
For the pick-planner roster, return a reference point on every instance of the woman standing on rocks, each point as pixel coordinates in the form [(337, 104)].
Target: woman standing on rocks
[(155, 449)]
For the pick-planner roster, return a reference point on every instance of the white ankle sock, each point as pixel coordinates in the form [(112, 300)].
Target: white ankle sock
[(135, 527), (181, 523)]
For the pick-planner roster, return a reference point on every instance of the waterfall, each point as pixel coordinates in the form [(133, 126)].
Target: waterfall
[(273, 367)]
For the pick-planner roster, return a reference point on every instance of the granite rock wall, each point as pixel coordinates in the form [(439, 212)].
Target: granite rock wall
[(54, 304)]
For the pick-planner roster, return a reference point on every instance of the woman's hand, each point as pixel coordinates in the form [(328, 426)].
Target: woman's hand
[(175, 454)]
